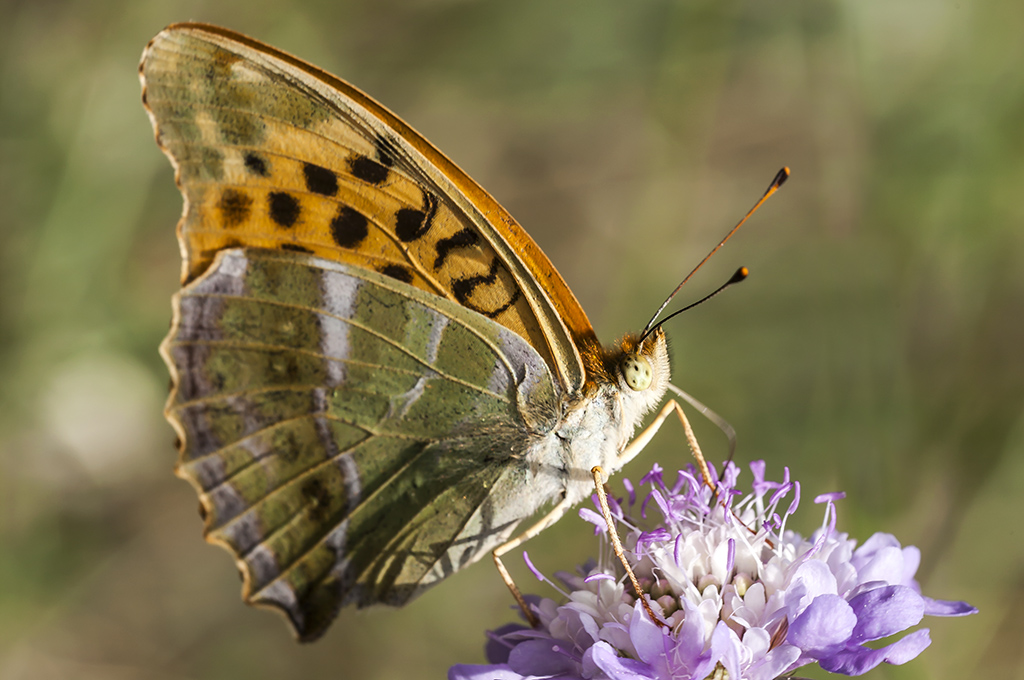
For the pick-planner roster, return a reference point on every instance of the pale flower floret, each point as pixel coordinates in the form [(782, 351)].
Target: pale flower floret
[(734, 590)]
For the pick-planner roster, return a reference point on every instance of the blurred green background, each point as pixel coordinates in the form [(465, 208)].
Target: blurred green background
[(877, 348)]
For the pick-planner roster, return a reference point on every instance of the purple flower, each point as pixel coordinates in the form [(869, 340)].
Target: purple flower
[(738, 595)]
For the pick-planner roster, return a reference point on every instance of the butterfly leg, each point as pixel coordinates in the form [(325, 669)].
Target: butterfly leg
[(613, 534), (644, 438), (547, 520)]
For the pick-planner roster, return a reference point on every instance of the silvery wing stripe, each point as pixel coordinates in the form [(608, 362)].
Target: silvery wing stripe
[(245, 406), (227, 502), (321, 405), (335, 347), (340, 293), (440, 322), (400, 404), (227, 279), (338, 537), (353, 485), (263, 565), (283, 595), (209, 471), (200, 318), (518, 356), (244, 533)]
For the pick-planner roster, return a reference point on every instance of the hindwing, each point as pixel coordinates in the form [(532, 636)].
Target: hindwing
[(346, 432)]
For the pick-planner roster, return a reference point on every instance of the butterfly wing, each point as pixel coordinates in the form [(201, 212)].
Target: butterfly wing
[(352, 439), (273, 152), (356, 425)]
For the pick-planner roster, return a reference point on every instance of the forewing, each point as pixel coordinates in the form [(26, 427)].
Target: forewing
[(344, 430), (272, 152)]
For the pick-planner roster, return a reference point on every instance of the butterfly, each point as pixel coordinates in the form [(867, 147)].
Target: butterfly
[(376, 373)]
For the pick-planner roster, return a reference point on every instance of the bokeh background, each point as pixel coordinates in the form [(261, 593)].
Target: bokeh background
[(877, 348)]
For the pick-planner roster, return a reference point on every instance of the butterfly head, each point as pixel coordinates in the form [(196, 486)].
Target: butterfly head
[(637, 370)]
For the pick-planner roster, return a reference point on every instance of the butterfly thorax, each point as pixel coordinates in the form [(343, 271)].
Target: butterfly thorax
[(599, 421)]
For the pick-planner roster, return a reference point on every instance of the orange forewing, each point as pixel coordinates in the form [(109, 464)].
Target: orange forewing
[(276, 153)]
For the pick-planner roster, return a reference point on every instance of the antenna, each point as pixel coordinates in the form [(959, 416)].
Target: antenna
[(780, 178), (740, 275)]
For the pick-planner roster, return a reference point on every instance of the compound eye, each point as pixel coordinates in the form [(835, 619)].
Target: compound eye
[(637, 372)]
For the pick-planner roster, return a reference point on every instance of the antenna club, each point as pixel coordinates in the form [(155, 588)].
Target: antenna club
[(740, 274), (781, 177)]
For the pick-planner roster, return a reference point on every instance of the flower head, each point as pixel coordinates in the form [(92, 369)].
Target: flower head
[(737, 594)]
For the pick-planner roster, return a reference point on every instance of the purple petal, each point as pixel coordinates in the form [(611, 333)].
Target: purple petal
[(533, 570), (653, 477), (729, 475), (647, 538), (779, 494), (629, 490), (824, 626), (810, 580), (876, 542), (689, 643), (594, 518), (482, 672), (886, 565), (775, 663), (757, 468), (598, 576), (911, 561), (829, 497), (603, 657), (725, 648), (796, 499), (860, 660), (680, 481), (882, 612), (946, 607), (540, 657), (647, 637), (666, 511), (497, 648)]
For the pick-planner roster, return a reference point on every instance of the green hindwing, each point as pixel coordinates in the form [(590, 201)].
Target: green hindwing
[(350, 437)]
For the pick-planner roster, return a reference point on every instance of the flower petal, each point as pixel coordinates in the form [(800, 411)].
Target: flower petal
[(647, 637), (482, 672), (497, 648), (775, 663), (540, 657), (603, 657), (885, 611), (947, 607), (824, 626), (860, 660), (725, 649), (690, 638), (810, 580)]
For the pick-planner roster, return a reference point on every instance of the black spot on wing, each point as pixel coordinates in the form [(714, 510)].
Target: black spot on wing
[(295, 248), (367, 169), (349, 227), (397, 272), (411, 224), (320, 180), (464, 238), (284, 208), (234, 207), (317, 498), (256, 164), (463, 290)]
